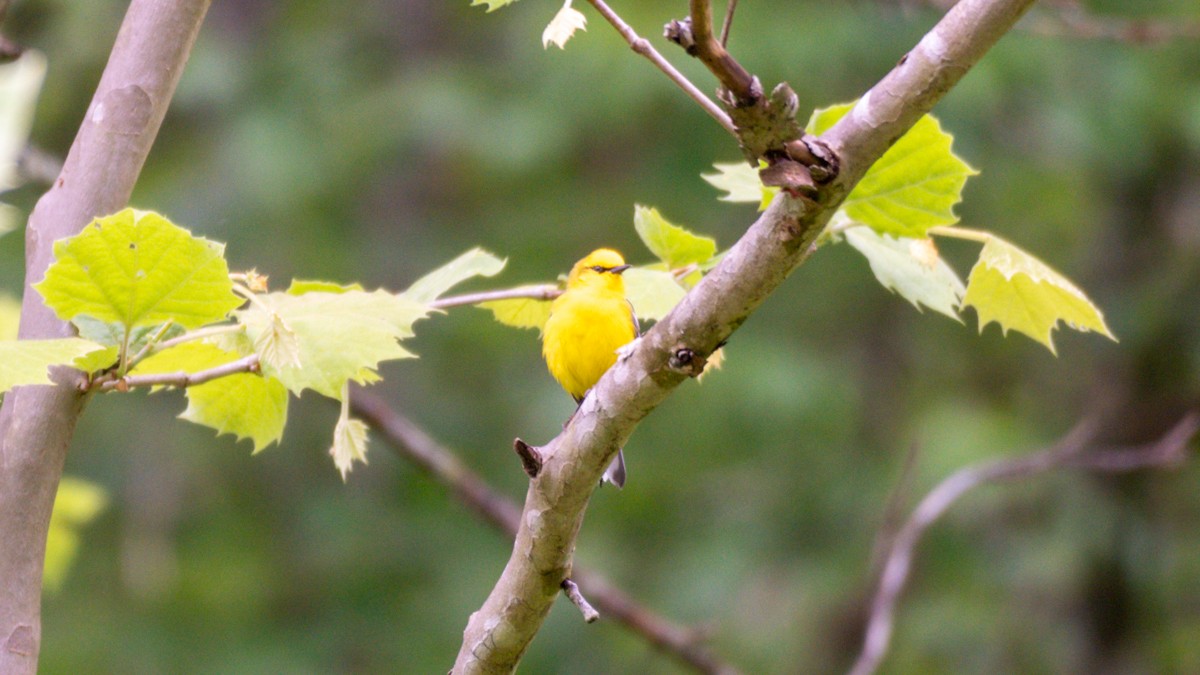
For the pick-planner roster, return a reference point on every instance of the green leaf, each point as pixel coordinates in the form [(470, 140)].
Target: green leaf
[(520, 312), (741, 183), (340, 337), (563, 26), (10, 218), (20, 82), (28, 361), (474, 263), (913, 187), (1021, 293), (246, 405), (349, 443), (912, 268), (492, 5), (98, 360), (10, 317), (137, 268), (114, 333), (76, 504), (653, 293), (302, 286), (672, 244)]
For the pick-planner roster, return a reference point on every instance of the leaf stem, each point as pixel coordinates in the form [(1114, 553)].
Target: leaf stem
[(150, 344), (980, 236), (200, 334), (541, 292)]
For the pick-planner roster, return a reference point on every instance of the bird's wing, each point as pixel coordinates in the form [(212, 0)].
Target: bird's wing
[(637, 329)]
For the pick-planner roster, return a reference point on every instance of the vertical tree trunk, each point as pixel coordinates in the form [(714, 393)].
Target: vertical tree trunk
[(36, 423)]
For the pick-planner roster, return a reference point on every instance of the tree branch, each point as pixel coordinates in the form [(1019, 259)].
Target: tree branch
[(544, 292), (713, 55), (37, 422), (498, 634), (1070, 452), (643, 47), (411, 443), (181, 379)]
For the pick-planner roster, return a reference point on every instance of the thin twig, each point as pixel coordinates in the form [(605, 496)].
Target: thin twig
[(413, 444), (247, 364), (543, 292), (1070, 452), (643, 47), (571, 589), (725, 25)]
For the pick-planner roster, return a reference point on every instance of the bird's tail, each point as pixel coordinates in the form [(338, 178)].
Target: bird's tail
[(615, 473)]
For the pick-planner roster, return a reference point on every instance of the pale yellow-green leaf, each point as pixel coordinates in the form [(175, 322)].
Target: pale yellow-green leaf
[(341, 336), (653, 293), (520, 312), (913, 187), (672, 244), (474, 263), (277, 345), (563, 26), (912, 268), (1021, 293), (28, 361), (97, 360), (20, 82), (10, 317), (349, 444), (302, 286), (10, 218), (76, 504), (137, 268), (492, 5), (741, 184), (246, 405)]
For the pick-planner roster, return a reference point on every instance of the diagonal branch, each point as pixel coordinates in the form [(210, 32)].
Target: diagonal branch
[(37, 422), (411, 443), (498, 634), (1070, 452)]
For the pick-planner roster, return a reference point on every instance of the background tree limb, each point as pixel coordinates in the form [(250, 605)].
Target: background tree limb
[(1071, 452), (413, 444), (36, 423)]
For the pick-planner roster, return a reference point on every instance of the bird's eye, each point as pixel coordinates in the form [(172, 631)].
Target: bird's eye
[(599, 268)]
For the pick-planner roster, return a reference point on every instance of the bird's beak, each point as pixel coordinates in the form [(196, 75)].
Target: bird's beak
[(620, 268)]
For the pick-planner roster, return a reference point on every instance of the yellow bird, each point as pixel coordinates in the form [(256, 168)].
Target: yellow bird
[(588, 323)]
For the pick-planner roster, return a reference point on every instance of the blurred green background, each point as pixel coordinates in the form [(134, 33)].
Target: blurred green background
[(375, 140)]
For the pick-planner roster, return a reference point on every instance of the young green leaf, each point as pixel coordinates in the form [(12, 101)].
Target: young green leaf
[(28, 361), (741, 184), (302, 286), (340, 337), (653, 293), (474, 263), (10, 317), (246, 405), (76, 504), (563, 26), (137, 268), (913, 187), (492, 5), (10, 218), (20, 82), (520, 312), (1021, 293), (349, 439), (672, 244), (912, 268)]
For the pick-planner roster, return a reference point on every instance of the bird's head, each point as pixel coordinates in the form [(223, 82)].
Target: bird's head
[(601, 268)]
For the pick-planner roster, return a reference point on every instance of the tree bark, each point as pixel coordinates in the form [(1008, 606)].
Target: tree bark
[(36, 423), (498, 634)]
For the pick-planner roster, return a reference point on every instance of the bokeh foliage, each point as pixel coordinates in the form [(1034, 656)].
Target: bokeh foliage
[(373, 141)]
